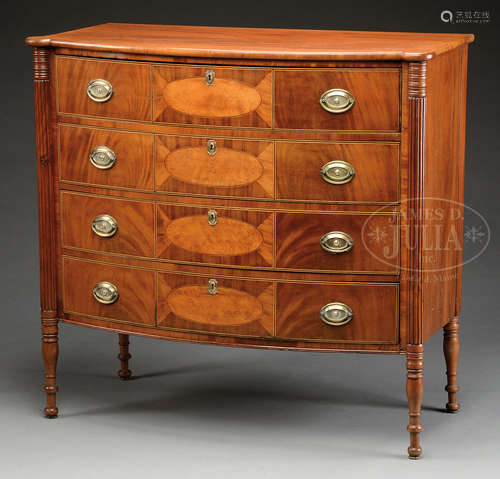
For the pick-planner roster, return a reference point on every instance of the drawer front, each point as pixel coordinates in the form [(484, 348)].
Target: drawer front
[(130, 85), (121, 293), (213, 96), (217, 236), (358, 313), (345, 172), (130, 230), (375, 242), (215, 166), (375, 93), (106, 157), (216, 305)]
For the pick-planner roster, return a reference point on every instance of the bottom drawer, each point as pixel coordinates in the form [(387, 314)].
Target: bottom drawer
[(342, 312), (109, 292), (222, 305), (216, 305)]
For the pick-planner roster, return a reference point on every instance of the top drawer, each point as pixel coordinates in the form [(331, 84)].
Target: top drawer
[(213, 96), (337, 99), (352, 99), (124, 93)]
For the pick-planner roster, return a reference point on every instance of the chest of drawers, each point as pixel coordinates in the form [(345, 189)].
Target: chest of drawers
[(253, 188)]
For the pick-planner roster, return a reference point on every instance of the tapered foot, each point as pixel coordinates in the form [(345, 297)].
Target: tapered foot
[(451, 349), (124, 373), (50, 352), (415, 393)]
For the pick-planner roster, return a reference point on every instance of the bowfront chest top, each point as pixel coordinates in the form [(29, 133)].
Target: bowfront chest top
[(252, 187)]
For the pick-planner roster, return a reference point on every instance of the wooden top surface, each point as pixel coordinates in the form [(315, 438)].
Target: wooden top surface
[(256, 43)]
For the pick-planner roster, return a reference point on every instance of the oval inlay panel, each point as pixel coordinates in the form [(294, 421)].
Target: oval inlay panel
[(228, 238), (227, 168), (227, 307), (225, 98)]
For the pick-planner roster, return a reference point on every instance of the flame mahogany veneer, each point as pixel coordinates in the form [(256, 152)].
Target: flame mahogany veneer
[(251, 187)]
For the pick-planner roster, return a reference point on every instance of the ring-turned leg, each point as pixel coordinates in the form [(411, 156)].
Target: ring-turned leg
[(124, 356), (451, 348), (415, 393), (50, 352)]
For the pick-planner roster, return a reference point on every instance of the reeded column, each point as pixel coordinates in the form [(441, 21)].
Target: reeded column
[(46, 223), (417, 111)]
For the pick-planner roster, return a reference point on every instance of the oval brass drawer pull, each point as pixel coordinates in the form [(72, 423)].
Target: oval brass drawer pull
[(103, 157), (105, 292), (336, 314), (337, 172), (337, 100), (104, 226), (99, 90), (336, 242)]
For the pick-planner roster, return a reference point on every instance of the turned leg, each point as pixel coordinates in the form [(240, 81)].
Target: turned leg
[(415, 392), (124, 356), (451, 348), (50, 351)]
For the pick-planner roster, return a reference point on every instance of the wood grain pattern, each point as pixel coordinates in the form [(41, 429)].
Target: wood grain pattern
[(239, 307), (462, 115), (376, 93), (260, 43), (238, 97), (134, 157), (231, 341), (215, 202), (135, 220), (187, 60), (238, 168), (238, 238), (298, 167), (404, 208), (229, 271), (444, 159), (436, 191), (131, 88), (375, 312), (136, 289), (376, 242), (221, 131)]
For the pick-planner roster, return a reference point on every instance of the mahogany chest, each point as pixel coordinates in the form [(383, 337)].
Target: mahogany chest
[(252, 187)]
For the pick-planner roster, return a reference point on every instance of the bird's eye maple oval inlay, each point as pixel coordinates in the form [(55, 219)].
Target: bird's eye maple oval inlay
[(228, 238), (229, 307), (227, 168), (225, 98)]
